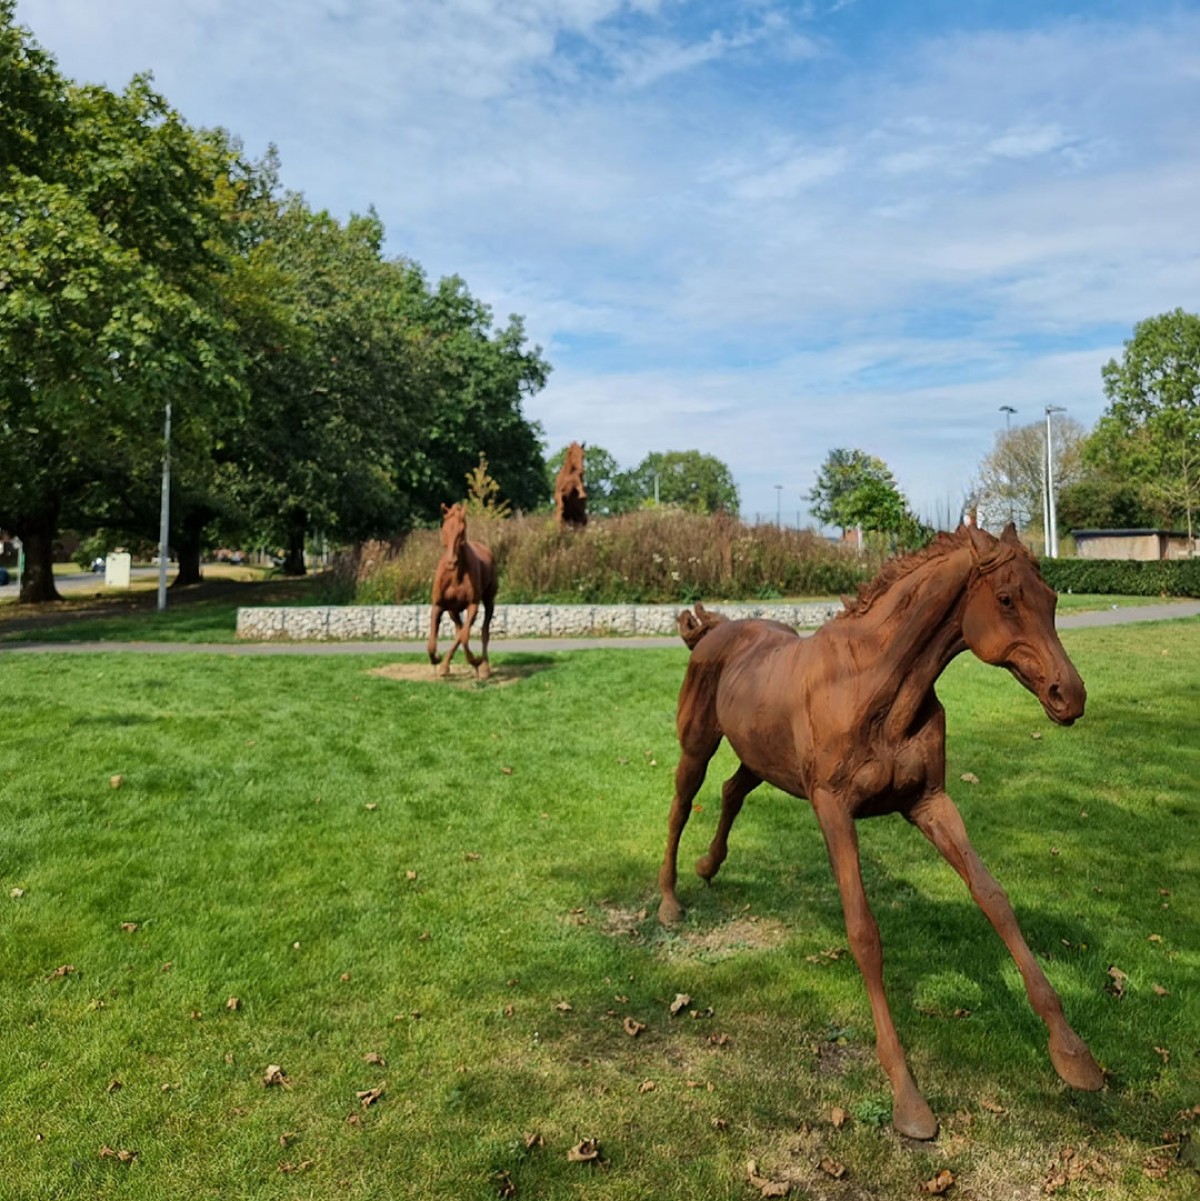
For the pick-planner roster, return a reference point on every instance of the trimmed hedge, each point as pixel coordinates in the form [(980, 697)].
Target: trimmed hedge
[(1128, 577)]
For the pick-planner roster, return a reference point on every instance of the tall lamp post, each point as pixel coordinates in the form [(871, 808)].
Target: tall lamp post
[(778, 506), (1008, 411), (1050, 514), (164, 512)]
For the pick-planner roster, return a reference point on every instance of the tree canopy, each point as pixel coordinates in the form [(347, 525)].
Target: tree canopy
[(1011, 478), (314, 382), (857, 490), (1149, 434)]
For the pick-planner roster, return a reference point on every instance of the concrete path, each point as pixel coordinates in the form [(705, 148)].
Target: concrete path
[(1068, 621)]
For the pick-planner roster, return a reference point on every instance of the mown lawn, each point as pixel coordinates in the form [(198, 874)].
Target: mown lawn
[(452, 880)]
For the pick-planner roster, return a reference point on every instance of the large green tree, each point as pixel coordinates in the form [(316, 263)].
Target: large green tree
[(1150, 432), (698, 482), (112, 246), (857, 490)]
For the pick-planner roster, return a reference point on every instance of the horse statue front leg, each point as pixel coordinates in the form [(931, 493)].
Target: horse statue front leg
[(464, 636), (911, 1114), (938, 818), (435, 618)]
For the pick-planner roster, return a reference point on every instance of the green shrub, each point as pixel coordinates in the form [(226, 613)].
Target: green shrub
[(661, 555), (1130, 577)]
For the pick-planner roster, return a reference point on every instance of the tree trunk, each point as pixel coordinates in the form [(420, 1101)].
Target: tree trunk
[(37, 538), (293, 563), (188, 543)]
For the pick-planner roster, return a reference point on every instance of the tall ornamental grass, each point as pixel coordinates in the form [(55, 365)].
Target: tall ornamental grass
[(659, 555)]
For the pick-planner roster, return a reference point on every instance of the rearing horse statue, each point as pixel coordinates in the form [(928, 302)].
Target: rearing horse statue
[(465, 578), (570, 492), (849, 719)]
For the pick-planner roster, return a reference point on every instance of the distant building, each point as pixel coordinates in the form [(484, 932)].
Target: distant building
[(1130, 544)]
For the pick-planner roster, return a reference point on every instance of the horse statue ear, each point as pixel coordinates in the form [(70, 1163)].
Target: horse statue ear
[(1009, 535), (445, 508), (981, 541)]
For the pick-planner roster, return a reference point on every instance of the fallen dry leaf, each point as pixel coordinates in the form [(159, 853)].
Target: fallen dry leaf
[(940, 1183), (1156, 1167), (533, 1140), (1155, 938), (706, 1012), (129, 927), (719, 1124), (302, 1166), (233, 1004), (122, 1156), (992, 1107), (832, 1167), (64, 970), (1116, 981), (507, 771), (368, 1096), (969, 777), (1163, 1054), (504, 1184), (16, 893), (718, 1040), (472, 856), (1159, 991), (275, 1077), (345, 977), (647, 1086), (115, 781), (375, 1058), (371, 805), (766, 1186), (681, 1002), (633, 1027), (838, 1117), (410, 875), (287, 1138), (114, 1086), (564, 1007), (585, 1151), (1036, 735)]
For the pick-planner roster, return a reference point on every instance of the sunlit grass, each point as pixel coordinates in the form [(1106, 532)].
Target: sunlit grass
[(428, 873)]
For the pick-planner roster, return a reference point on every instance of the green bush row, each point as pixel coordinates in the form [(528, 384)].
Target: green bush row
[(647, 557), (1129, 577)]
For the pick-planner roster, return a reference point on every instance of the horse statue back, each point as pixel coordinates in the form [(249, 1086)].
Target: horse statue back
[(849, 719), (570, 492), (464, 579)]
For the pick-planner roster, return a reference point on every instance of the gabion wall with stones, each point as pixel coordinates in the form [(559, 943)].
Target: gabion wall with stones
[(401, 623)]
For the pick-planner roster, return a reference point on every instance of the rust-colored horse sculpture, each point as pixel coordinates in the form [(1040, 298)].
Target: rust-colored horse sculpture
[(849, 719), (465, 579), (570, 493)]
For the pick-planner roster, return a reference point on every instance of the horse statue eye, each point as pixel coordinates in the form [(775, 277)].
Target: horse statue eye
[(1005, 600)]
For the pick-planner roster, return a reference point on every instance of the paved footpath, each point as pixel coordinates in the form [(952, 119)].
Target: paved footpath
[(1068, 621)]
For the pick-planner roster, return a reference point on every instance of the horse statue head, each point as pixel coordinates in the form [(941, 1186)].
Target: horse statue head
[(1008, 622), (454, 529)]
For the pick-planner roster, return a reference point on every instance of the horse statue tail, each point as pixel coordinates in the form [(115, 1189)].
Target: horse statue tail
[(693, 627)]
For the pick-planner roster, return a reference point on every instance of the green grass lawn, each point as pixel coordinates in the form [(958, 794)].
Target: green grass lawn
[(455, 882)]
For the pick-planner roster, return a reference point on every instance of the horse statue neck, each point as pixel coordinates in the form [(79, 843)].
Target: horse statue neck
[(914, 630)]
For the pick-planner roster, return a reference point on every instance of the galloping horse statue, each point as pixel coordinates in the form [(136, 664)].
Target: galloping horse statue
[(465, 578), (570, 493), (849, 719)]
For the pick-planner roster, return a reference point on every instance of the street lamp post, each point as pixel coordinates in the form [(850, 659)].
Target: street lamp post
[(164, 513), (1008, 411), (778, 506), (1051, 515)]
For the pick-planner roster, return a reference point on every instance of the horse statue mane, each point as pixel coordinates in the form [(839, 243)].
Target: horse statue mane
[(1000, 551), (570, 492)]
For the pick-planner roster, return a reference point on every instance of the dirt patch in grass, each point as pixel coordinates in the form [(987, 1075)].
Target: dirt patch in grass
[(460, 676), (731, 938)]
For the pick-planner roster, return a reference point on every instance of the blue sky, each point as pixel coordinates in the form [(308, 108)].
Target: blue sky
[(761, 230)]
